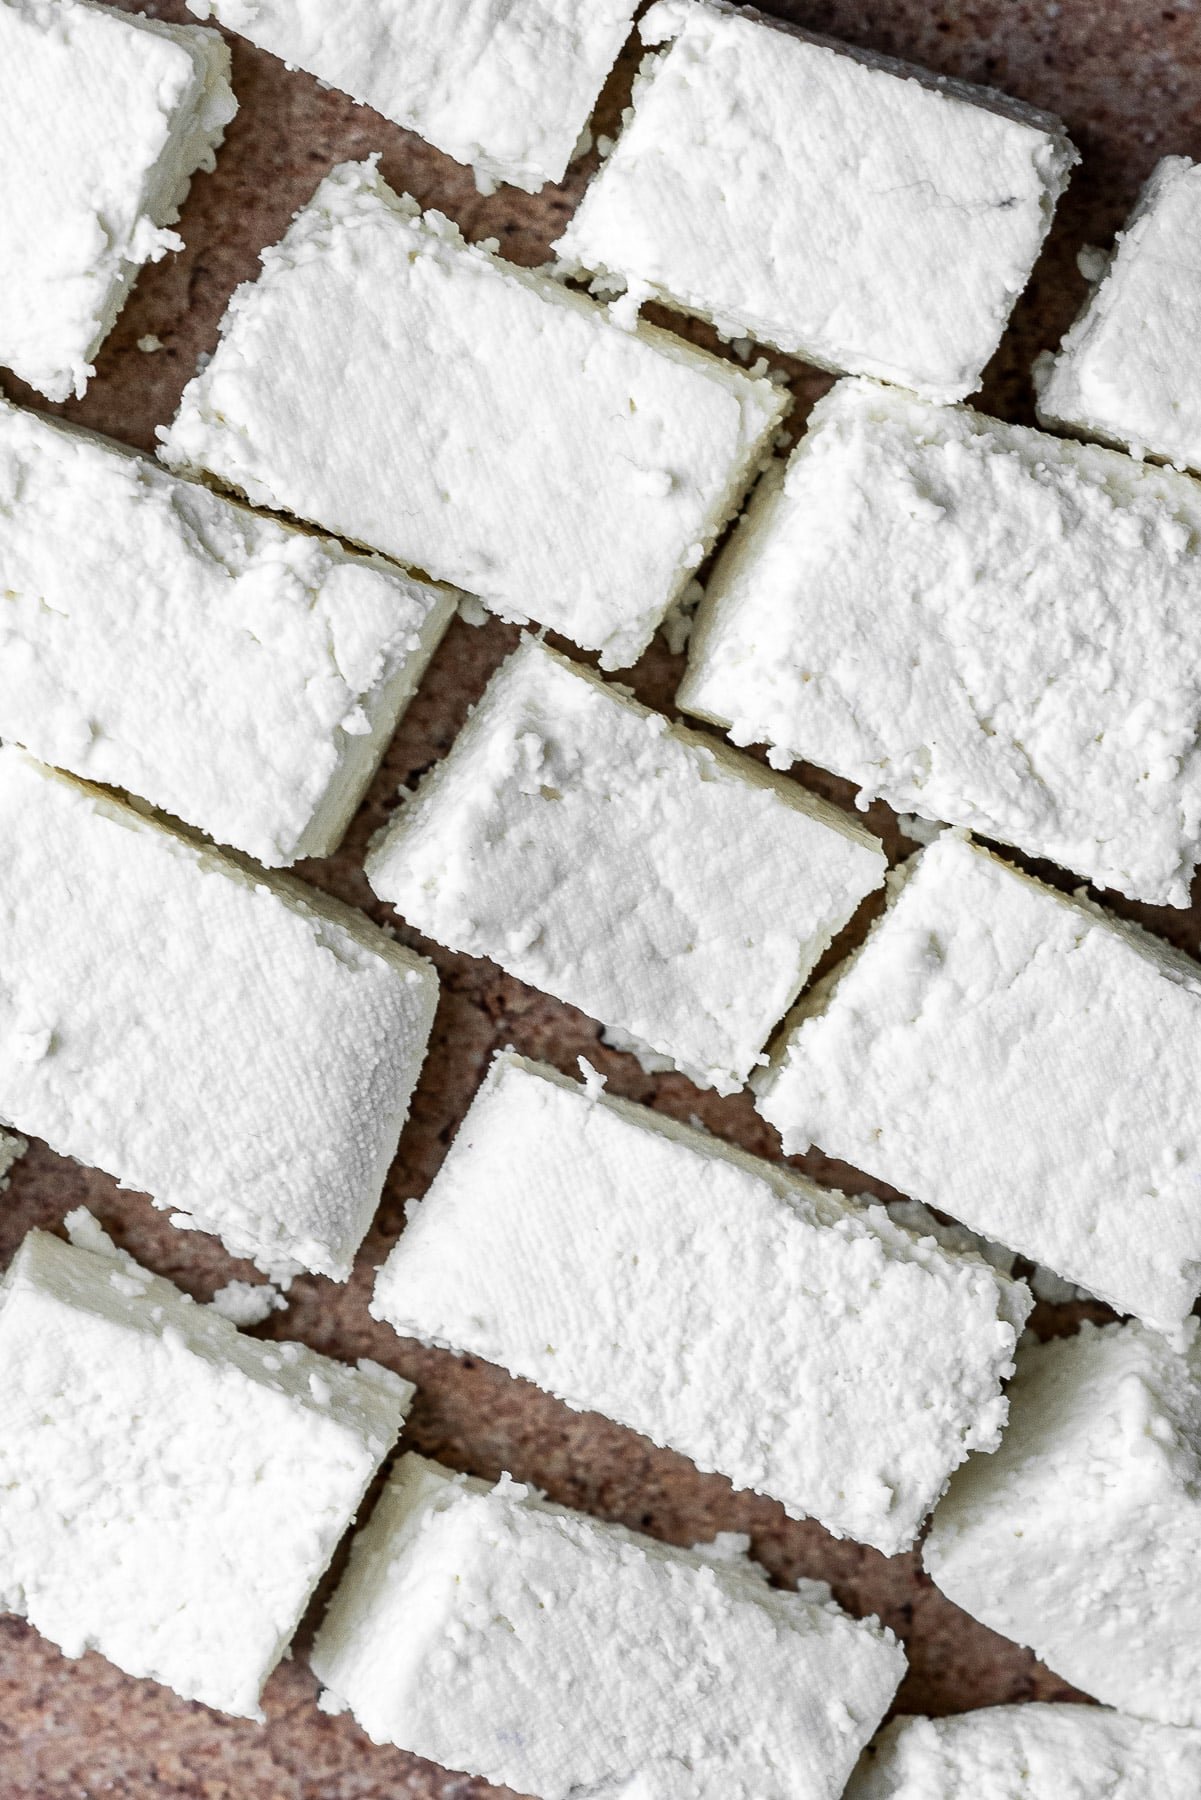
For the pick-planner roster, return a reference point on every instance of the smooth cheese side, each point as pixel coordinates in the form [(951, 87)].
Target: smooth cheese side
[(106, 117), (978, 623), (233, 671), (556, 1655), (1081, 1537), (476, 420), (1030, 1752), (1129, 369), (239, 1047), (1022, 1061), (506, 86), (854, 211), (718, 1304), (170, 1491), (626, 866)]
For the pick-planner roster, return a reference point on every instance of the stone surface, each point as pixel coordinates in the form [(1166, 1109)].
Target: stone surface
[(1126, 80)]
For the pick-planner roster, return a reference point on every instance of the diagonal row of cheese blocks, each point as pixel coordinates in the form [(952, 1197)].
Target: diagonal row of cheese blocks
[(171, 1493), (670, 890), (995, 678)]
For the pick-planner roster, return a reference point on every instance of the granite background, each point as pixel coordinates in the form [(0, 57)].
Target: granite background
[(1125, 76)]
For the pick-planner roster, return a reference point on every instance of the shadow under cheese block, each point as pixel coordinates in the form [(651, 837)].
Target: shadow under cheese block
[(476, 420), (107, 116), (236, 1045), (232, 670), (556, 1655), (664, 885), (639, 1268), (170, 1491)]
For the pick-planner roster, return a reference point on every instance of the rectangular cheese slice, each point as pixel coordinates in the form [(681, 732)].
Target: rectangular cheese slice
[(854, 211), (721, 1305), (559, 1656), (238, 673), (106, 117), (1031, 1752), (410, 391), (241, 1048), (1081, 1537), (504, 85), (978, 623), (170, 1491), (1129, 369), (626, 866), (1022, 1061)]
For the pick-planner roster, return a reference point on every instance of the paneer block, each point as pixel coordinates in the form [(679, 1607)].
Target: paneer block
[(170, 1491), (556, 1655), (1031, 1752), (1081, 1536), (414, 393), (852, 210), (241, 1048), (106, 117), (633, 1266), (624, 865), (978, 623), (1022, 1061), (504, 85), (1129, 370), (242, 675)]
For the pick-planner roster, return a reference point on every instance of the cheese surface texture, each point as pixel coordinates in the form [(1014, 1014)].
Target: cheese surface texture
[(559, 1656), (237, 673), (1129, 370), (977, 623), (477, 420), (1081, 1537), (242, 1050), (637, 1268), (1031, 1752), (170, 1491), (106, 117), (504, 85), (625, 866), (855, 212), (1021, 1061)]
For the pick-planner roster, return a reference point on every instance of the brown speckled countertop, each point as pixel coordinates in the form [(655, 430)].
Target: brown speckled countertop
[(1125, 75)]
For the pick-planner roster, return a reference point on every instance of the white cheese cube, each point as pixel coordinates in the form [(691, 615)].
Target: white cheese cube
[(1031, 1752), (845, 208), (1129, 370), (106, 117), (978, 623), (1081, 1537), (242, 1049), (1022, 1061), (170, 1491), (414, 393), (242, 675), (633, 1266), (556, 1655), (624, 865), (504, 85)]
